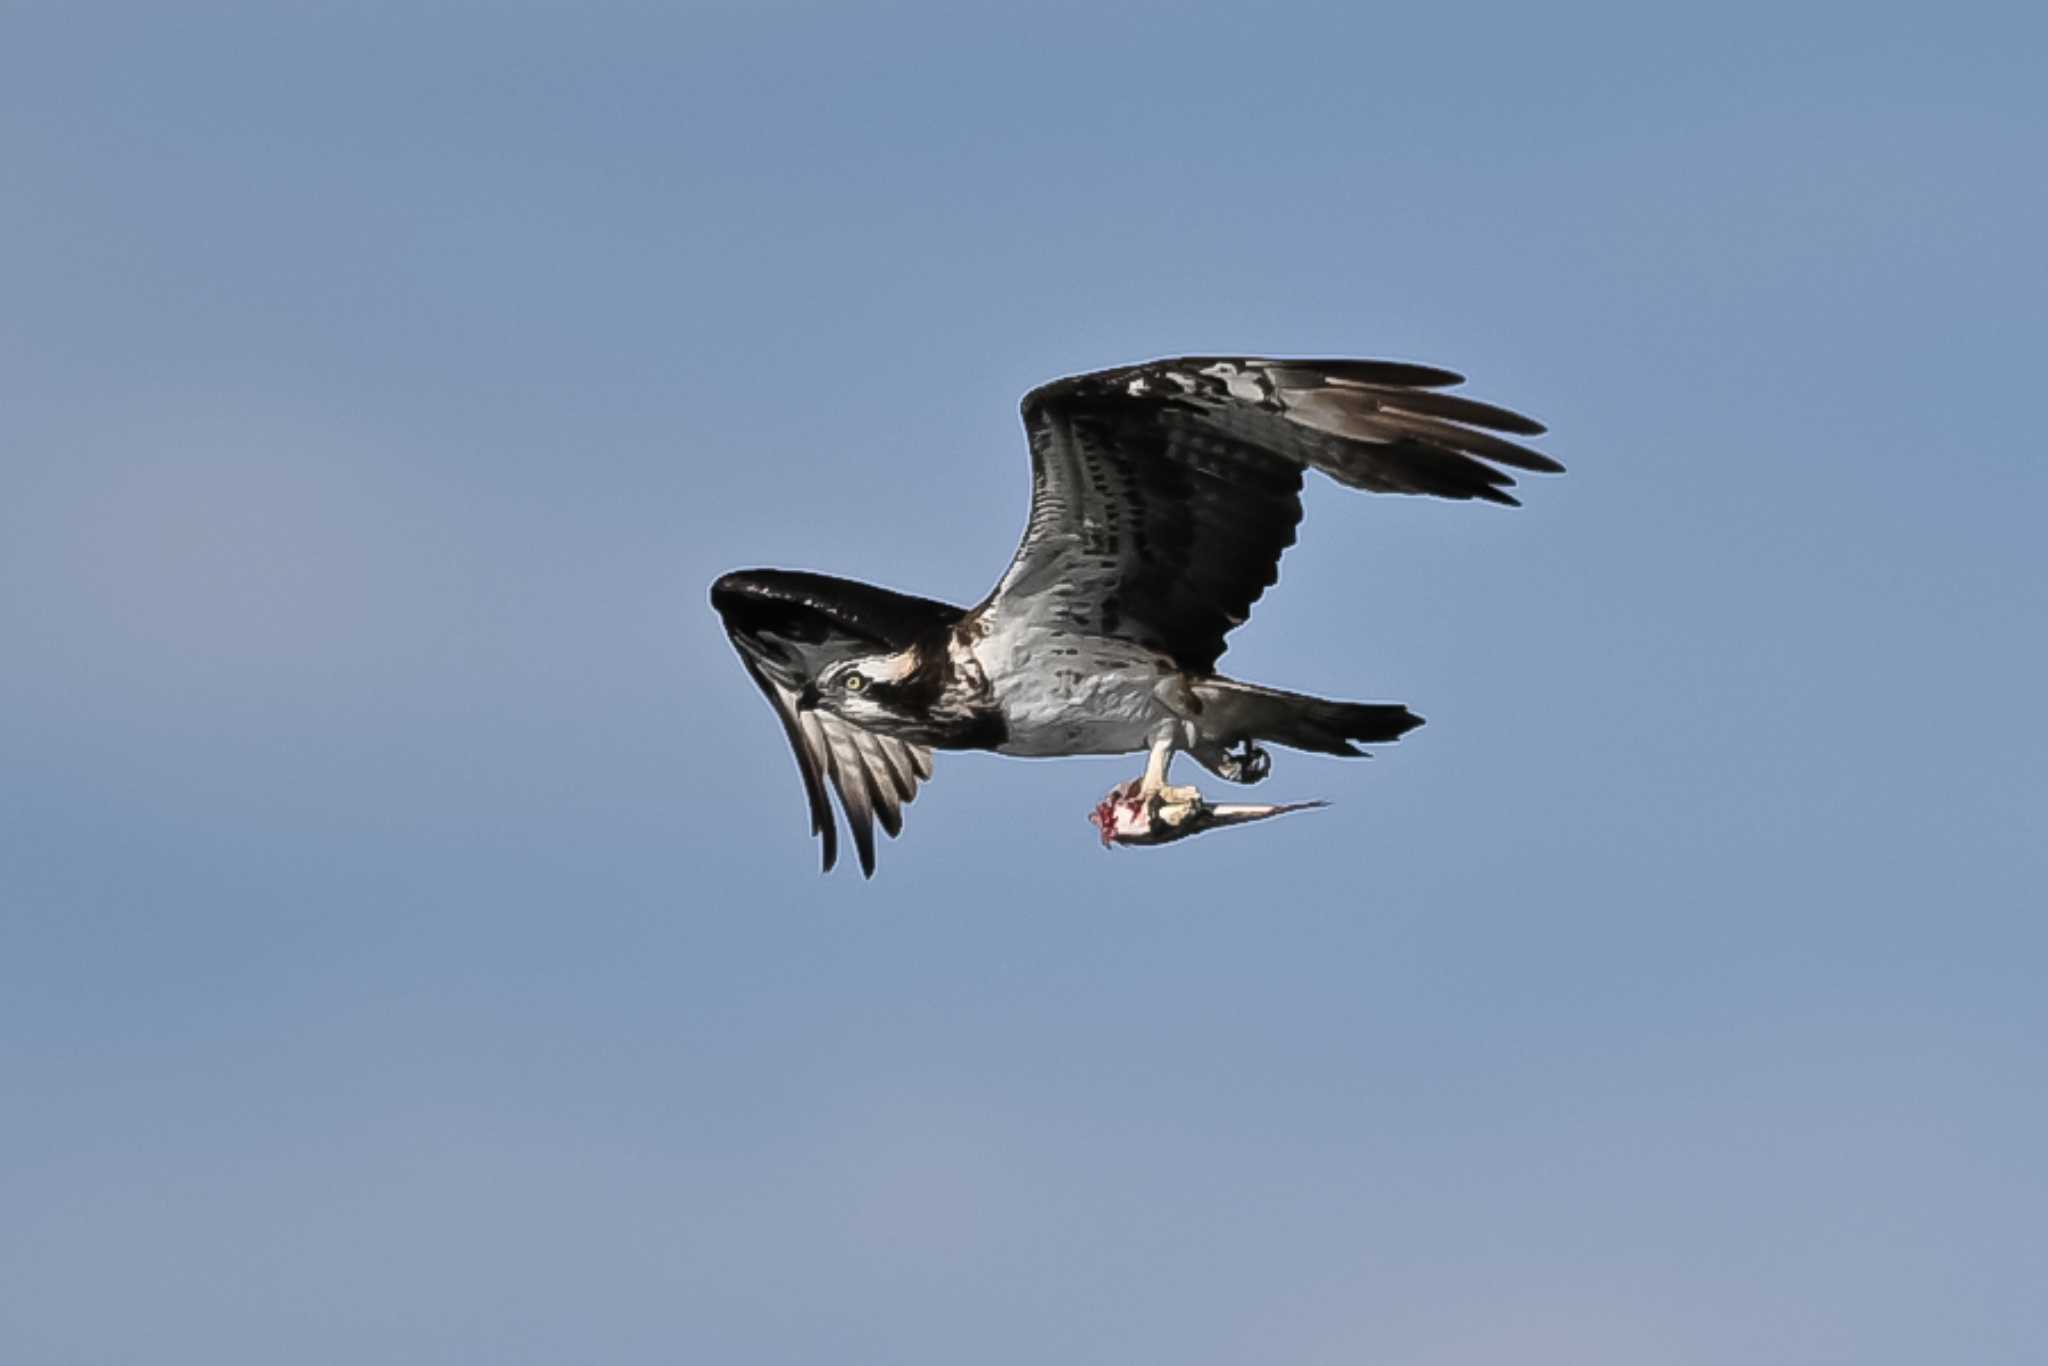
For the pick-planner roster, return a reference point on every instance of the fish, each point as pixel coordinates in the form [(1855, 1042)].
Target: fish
[(1126, 817)]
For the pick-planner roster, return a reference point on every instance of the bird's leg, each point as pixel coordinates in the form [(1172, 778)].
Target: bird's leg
[(1153, 785), (1139, 809)]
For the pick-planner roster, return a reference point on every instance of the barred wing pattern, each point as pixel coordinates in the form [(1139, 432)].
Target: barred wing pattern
[(788, 625), (876, 776), (1164, 494)]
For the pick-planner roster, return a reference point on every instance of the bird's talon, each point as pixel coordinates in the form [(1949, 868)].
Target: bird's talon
[(1245, 763)]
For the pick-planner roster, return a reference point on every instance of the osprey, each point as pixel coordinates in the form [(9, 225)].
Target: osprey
[(1162, 498)]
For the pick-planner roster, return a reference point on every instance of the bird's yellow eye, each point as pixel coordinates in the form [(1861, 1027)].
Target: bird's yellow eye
[(854, 682)]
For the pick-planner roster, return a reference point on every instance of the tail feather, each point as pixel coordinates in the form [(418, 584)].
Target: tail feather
[(1233, 711)]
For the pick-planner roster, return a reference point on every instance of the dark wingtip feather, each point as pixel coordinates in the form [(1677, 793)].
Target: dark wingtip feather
[(828, 835), (891, 817), (860, 818), (822, 823), (1456, 407), (1490, 447), (1401, 373), (1533, 460)]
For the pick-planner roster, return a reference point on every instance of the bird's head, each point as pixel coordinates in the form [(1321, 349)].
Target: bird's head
[(869, 690)]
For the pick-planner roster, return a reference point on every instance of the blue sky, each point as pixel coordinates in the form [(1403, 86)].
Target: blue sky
[(410, 945)]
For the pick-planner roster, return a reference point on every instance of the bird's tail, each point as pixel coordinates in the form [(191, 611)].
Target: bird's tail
[(1234, 711)]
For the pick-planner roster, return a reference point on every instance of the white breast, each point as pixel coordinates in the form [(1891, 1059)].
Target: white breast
[(1067, 694)]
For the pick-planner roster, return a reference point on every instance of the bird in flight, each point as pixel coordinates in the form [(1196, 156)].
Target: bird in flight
[(1163, 496)]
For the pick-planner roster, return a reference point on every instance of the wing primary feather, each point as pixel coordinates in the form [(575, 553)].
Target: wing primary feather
[(822, 823), (1453, 406), (849, 778), (1471, 442), (1311, 374), (889, 752), (874, 769)]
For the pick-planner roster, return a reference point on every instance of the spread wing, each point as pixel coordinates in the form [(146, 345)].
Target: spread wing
[(787, 627), (1164, 494), (875, 776)]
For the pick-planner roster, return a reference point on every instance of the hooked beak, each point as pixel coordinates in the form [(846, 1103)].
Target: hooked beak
[(807, 700)]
